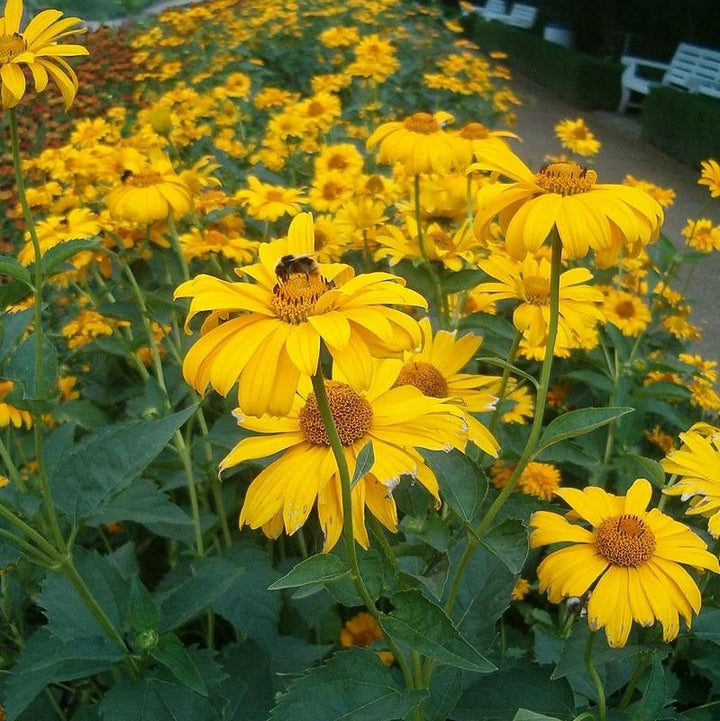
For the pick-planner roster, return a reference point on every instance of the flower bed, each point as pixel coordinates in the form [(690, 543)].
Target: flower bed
[(302, 369)]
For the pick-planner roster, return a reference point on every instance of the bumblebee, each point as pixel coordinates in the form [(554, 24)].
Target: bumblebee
[(295, 264)]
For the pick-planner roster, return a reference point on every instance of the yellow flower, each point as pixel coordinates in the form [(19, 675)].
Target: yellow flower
[(529, 282), (702, 235), (664, 196), (537, 479), (660, 439), (397, 419), (477, 137), (564, 197), (281, 319), (434, 372), (419, 144), (151, 194), (626, 311), (37, 47), (344, 157), (9, 415), (577, 138), (698, 465), (521, 589), (269, 202), (710, 176), (87, 326), (363, 630), (630, 559)]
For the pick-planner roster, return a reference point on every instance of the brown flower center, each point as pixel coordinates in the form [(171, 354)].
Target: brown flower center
[(337, 162), (315, 108), (374, 185), (294, 299), (625, 309), (425, 377), (274, 196), (331, 191), (566, 178), (423, 123), (143, 179), (321, 238), (351, 413), (442, 240), (537, 290), (474, 131), (11, 46), (625, 541)]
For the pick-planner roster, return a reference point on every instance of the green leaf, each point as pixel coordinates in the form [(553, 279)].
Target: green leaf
[(312, 571), (509, 543), (175, 657), (364, 463), (462, 483), (47, 659), (143, 502), (652, 469), (707, 625), (352, 685), (249, 683), (234, 584), (12, 327), (21, 369), (462, 280), (106, 462), (422, 626), (577, 423), (502, 363), (68, 617), (10, 266), (143, 613), (656, 695), (58, 254), (13, 292), (501, 694), (524, 715)]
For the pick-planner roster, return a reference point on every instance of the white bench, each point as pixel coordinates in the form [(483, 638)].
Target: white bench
[(520, 16), (692, 68), (492, 9)]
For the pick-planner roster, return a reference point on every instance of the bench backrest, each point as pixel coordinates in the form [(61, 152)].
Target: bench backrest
[(496, 7), (525, 13), (692, 67)]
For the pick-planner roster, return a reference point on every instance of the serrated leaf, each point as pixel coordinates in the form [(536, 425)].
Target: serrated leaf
[(10, 266), (462, 280), (655, 696), (462, 483), (21, 369), (509, 543), (175, 657), (234, 584), (249, 683), (492, 361), (57, 255), (524, 714), (365, 460), (652, 469), (577, 423), (499, 695), (353, 685), (312, 571), (107, 461), (11, 330), (46, 659), (13, 292), (707, 625), (422, 626), (143, 613)]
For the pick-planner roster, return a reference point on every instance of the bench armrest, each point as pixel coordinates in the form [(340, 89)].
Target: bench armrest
[(633, 62)]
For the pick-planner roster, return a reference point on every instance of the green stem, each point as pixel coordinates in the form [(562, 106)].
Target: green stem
[(475, 538), (634, 680), (504, 381), (34, 553), (49, 506), (184, 453), (177, 247), (601, 708), (318, 384), (12, 469)]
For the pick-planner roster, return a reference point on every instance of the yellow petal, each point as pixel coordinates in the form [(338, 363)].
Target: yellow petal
[(13, 79), (303, 347)]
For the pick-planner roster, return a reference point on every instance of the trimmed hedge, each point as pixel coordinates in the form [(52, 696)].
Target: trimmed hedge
[(578, 78), (683, 125)]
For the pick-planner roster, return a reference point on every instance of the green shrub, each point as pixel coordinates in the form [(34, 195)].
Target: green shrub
[(579, 78), (685, 126)]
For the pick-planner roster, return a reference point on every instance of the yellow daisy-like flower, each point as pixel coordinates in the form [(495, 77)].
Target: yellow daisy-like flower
[(702, 235), (363, 630), (521, 589), (565, 197), (419, 144), (630, 558), (477, 137), (280, 320), (151, 194), (664, 196), (396, 419), (710, 176), (577, 137), (37, 48), (434, 372), (270, 202), (529, 282), (537, 479), (626, 311), (9, 415), (698, 465)]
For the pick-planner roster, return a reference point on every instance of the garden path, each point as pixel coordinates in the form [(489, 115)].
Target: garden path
[(623, 151)]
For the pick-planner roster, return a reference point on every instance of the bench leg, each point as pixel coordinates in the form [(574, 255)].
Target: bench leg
[(624, 99)]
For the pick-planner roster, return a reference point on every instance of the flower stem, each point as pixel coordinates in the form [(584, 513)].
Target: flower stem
[(177, 247), (601, 708), (504, 381), (318, 383), (49, 506), (634, 679)]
